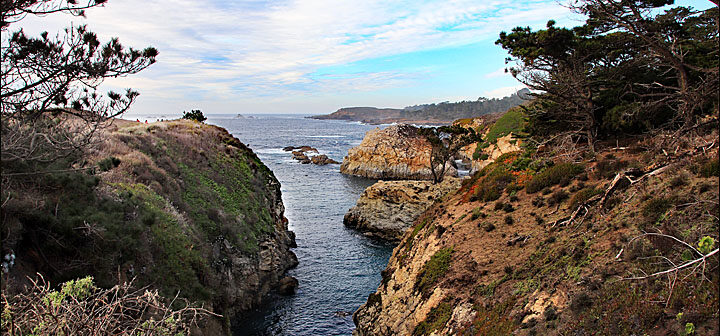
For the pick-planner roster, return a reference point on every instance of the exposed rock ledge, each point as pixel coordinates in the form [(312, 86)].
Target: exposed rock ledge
[(388, 208), (395, 153)]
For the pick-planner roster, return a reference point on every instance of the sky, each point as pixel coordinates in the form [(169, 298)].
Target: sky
[(312, 56)]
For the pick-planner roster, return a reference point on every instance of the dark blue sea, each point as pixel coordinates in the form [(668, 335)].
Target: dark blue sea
[(338, 267)]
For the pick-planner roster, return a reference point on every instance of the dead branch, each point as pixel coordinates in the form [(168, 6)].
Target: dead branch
[(677, 268)]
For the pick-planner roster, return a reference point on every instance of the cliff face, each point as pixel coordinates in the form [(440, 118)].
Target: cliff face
[(395, 153), (495, 258), (180, 206), (388, 208)]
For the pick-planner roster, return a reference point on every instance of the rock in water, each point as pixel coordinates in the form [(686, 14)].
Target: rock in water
[(395, 153), (388, 208), (287, 286), (322, 160)]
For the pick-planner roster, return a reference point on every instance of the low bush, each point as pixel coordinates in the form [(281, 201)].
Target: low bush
[(508, 207), (656, 207), (711, 168), (557, 174), (77, 308), (583, 196), (559, 196)]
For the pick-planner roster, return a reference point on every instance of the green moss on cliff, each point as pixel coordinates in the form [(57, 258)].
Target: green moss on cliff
[(433, 270), (435, 320)]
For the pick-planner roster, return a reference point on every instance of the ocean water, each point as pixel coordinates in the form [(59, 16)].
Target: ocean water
[(338, 267)]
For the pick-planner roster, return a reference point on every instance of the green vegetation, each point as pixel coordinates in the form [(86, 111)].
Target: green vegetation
[(435, 320), (557, 174), (433, 270), (510, 122), (624, 44), (80, 307), (108, 163), (492, 319), (583, 196), (195, 115), (711, 168)]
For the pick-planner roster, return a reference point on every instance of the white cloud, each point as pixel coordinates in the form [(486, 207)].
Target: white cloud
[(214, 49), (502, 91)]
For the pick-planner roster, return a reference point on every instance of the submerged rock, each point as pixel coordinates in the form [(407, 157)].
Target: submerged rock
[(388, 208), (395, 153)]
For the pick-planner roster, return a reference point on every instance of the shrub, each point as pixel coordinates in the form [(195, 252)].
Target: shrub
[(499, 205), (508, 207), (711, 168), (492, 185), (538, 201), (580, 302), (550, 313), (476, 213), (108, 163), (656, 207), (583, 196), (678, 181), (560, 173), (195, 115), (433, 270), (559, 196), (74, 310), (509, 220), (488, 227), (513, 198), (608, 166)]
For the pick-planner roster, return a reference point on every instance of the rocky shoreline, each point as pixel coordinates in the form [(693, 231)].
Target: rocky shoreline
[(388, 208)]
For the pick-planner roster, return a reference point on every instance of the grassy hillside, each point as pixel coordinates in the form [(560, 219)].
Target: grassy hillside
[(561, 241), (180, 206)]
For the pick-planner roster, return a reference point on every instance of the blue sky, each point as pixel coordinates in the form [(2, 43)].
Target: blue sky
[(313, 56)]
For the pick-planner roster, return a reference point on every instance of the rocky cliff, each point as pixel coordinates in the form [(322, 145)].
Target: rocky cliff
[(563, 248), (396, 153), (388, 208), (500, 136), (180, 206)]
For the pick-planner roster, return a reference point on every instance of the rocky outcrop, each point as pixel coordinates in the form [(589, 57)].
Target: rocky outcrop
[(301, 154), (505, 144), (179, 206), (322, 160), (388, 208), (395, 153)]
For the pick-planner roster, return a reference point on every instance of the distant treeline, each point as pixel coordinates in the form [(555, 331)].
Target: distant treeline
[(464, 109), (444, 112)]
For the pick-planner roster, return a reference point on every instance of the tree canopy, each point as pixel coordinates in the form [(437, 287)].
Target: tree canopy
[(631, 67), (51, 105)]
